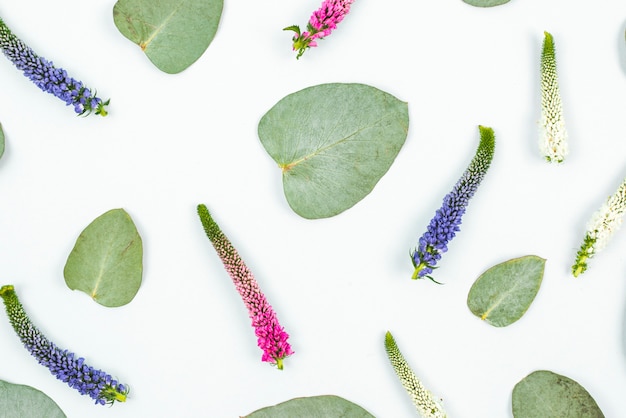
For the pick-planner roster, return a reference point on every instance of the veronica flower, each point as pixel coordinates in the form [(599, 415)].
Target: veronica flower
[(61, 363), (48, 77), (322, 22), (604, 222), (423, 399), (553, 136), (271, 337), (444, 225)]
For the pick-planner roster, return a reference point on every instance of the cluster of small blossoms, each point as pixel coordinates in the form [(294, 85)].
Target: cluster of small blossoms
[(63, 364), (425, 403), (322, 22), (49, 78), (444, 225), (271, 337), (602, 225), (553, 135)]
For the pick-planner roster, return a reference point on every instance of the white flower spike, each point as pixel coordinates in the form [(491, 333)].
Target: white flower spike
[(604, 222), (553, 136), (423, 399)]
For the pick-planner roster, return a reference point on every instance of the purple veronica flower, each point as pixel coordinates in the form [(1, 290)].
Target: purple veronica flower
[(322, 22), (49, 78), (271, 337), (61, 363), (445, 224)]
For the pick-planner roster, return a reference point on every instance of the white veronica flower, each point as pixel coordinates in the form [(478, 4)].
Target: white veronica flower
[(553, 136), (425, 403), (602, 225)]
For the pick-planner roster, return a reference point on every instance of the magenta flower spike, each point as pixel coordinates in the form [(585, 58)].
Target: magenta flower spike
[(271, 337), (322, 22)]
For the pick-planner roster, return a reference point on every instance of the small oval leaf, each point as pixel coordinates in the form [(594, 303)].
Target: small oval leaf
[(502, 294), (333, 143), (26, 401), (106, 261), (315, 406), (549, 395), (1, 141), (172, 33), (486, 3)]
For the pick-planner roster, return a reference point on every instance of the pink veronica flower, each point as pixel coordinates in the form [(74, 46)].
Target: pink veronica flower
[(271, 337), (322, 22)]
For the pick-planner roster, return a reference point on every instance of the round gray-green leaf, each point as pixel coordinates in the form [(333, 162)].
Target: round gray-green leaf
[(1, 141), (172, 33), (486, 3), (107, 260), (333, 143), (549, 395), (502, 294), (25, 401), (315, 406)]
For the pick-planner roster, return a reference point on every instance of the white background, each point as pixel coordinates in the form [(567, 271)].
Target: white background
[(184, 344)]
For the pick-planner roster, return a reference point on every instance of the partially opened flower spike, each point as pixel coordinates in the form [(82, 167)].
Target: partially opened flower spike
[(271, 337), (553, 136), (63, 364), (322, 22), (602, 225), (445, 224), (426, 404), (49, 78)]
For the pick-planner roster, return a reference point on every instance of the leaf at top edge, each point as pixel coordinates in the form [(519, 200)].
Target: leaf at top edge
[(26, 401), (107, 260), (172, 33), (486, 3), (502, 294), (1, 141), (333, 143), (315, 406), (549, 395)]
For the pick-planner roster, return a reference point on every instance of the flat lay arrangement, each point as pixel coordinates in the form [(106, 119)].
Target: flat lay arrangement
[(346, 158)]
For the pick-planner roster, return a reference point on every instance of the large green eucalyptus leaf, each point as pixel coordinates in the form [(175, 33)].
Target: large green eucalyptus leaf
[(107, 260), (502, 294), (333, 142), (549, 395), (1, 141), (486, 3), (313, 407), (25, 401), (172, 33)]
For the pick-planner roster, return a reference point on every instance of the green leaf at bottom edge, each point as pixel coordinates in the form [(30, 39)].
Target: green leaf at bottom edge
[(315, 406), (26, 401), (486, 3), (546, 394)]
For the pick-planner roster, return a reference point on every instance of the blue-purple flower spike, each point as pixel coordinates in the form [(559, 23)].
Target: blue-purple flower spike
[(68, 368), (445, 224), (49, 78)]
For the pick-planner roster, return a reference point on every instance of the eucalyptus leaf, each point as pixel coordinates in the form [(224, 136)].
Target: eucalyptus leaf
[(486, 3), (315, 406), (25, 401), (333, 143), (172, 33), (549, 395), (1, 141), (502, 294), (106, 261)]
